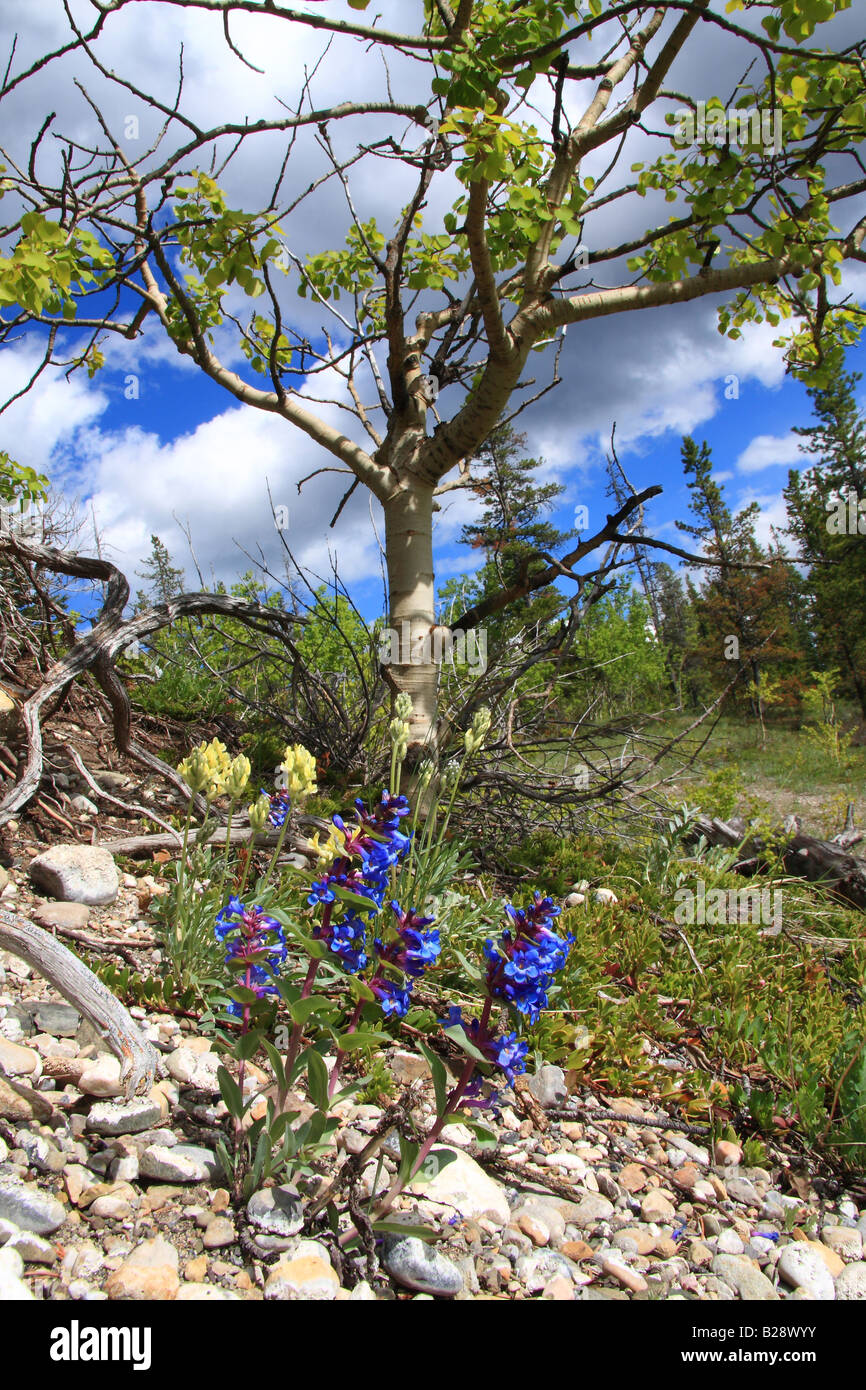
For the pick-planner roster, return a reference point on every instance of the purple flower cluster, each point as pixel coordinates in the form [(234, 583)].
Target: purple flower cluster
[(375, 840), (523, 962), (256, 948), (281, 805)]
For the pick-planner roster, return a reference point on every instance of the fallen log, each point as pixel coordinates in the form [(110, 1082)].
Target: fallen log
[(821, 862), (88, 994)]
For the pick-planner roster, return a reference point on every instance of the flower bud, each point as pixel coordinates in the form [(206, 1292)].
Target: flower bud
[(258, 812), (238, 776), (403, 705)]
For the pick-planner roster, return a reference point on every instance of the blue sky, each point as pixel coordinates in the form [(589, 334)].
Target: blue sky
[(181, 453)]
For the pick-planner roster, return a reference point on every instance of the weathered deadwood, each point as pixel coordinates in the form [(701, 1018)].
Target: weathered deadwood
[(109, 636), (133, 845), (818, 861), (88, 994)]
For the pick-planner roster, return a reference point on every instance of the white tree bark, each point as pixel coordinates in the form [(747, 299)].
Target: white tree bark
[(409, 555)]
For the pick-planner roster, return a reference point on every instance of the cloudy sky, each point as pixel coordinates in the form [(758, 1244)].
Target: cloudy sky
[(149, 446)]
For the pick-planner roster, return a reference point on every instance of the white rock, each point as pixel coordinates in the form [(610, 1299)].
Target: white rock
[(459, 1183), (804, 1269)]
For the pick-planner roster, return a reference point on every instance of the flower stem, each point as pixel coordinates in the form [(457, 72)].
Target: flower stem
[(338, 1060)]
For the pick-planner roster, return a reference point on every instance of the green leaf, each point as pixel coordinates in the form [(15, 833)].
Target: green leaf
[(485, 1136), (352, 1042), (440, 1075), (403, 1228), (317, 1079), (457, 1035), (231, 1093), (313, 1004), (408, 1158)]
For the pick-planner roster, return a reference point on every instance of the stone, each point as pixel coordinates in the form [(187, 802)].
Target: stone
[(545, 1210), (183, 1163), (29, 1207), (75, 915), (407, 1066), (629, 1278), (461, 1184), (591, 1209), (576, 1250), (657, 1207), (575, 900), (548, 1086), (534, 1227), (729, 1243), (727, 1153), (123, 1117), (205, 1293), (18, 1061), (558, 1289), (218, 1233), (102, 1078), (66, 1070), (828, 1257), (742, 1190), (277, 1211), (32, 1248), (604, 895), (302, 1278), (744, 1278), (642, 1240), (12, 1287), (416, 1265), (149, 1273), (83, 805), (76, 873), (632, 1177), (846, 1241), (536, 1270), (21, 1103), (803, 1268), (851, 1283)]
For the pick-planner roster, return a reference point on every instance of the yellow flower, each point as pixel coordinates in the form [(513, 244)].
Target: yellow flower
[(238, 776), (299, 766), (258, 812)]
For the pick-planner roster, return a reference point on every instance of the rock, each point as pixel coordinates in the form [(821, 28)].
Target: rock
[(534, 1227), (83, 805), (218, 1233), (461, 1184), (303, 1278), (828, 1257), (18, 1061), (558, 1289), (407, 1066), (123, 1117), (277, 1211), (632, 1177), (548, 1086), (846, 1241), (729, 1243), (416, 1265), (851, 1283), (575, 900), (742, 1190), (536, 1270), (591, 1209), (205, 1293), (604, 895), (742, 1276), (32, 1248), (727, 1153), (65, 1069), (12, 1286), (60, 1020), (804, 1269), (636, 1237), (75, 915), (149, 1273), (102, 1078), (656, 1207), (29, 1207), (18, 1102), (629, 1278), (543, 1210), (76, 873), (183, 1163)]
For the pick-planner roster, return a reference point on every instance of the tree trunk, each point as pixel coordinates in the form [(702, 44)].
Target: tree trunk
[(415, 642)]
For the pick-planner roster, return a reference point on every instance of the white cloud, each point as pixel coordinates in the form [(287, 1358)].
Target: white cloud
[(769, 451)]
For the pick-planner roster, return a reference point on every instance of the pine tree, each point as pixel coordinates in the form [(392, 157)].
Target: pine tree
[(164, 579), (827, 518), (744, 613)]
